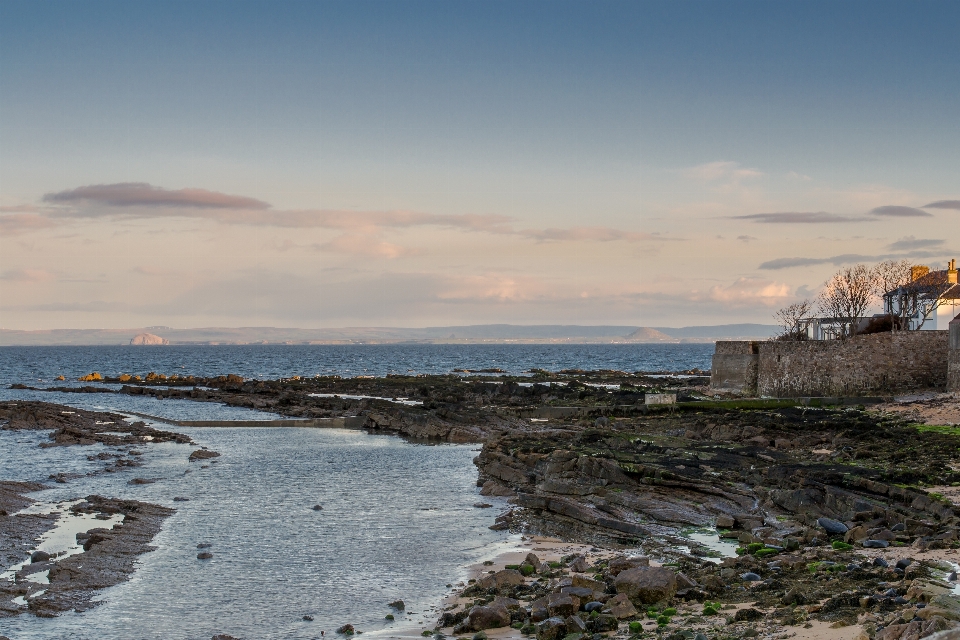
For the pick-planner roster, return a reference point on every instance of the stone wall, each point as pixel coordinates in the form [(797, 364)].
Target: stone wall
[(734, 367), (877, 364), (953, 365)]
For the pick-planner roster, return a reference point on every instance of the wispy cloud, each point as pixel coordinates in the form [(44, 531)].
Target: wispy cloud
[(31, 276), (141, 194), (910, 242), (849, 258), (17, 223), (365, 246), (896, 211), (745, 238), (800, 217), (597, 234), (943, 204), (722, 170)]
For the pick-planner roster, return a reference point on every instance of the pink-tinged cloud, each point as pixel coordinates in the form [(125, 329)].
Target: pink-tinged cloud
[(943, 204), (800, 217), (722, 170), (751, 291), (141, 194), (17, 223)]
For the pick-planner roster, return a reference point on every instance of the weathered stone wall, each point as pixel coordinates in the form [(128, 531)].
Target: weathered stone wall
[(734, 367), (865, 365), (953, 364)]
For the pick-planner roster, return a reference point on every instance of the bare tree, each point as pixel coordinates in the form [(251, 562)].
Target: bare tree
[(847, 296), (890, 275), (791, 319)]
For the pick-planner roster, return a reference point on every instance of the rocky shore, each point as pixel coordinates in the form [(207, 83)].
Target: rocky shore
[(47, 584), (842, 519)]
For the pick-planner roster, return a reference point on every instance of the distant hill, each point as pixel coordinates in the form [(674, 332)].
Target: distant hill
[(647, 334), (467, 334)]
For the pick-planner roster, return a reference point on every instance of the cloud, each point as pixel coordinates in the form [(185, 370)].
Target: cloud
[(141, 194), (745, 238), (895, 211), (14, 224), (799, 217), (943, 204), (848, 258), (366, 246), (722, 170), (909, 242), (751, 291), (597, 234), (27, 275)]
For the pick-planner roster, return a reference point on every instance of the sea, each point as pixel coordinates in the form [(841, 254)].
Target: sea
[(398, 519)]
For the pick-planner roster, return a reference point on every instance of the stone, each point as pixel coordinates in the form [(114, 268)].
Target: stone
[(532, 559), (317, 507), (551, 629), (308, 618), (833, 527), (203, 454), (748, 615), (503, 578), (647, 584), (493, 488), (750, 577), (482, 505), (605, 622), (683, 582), (903, 563), (875, 544), (578, 564), (39, 556), (491, 616), (346, 630), (398, 605), (204, 555), (204, 545), (593, 606), (562, 604), (575, 625), (724, 522), (622, 563)]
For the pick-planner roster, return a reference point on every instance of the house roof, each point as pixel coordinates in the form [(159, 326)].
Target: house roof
[(929, 284)]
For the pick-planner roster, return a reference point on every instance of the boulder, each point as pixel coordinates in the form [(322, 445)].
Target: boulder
[(504, 578), (579, 564), (532, 559), (620, 607), (203, 454), (39, 556), (604, 622), (491, 616), (562, 604), (622, 563), (647, 584), (875, 544), (551, 629), (724, 522)]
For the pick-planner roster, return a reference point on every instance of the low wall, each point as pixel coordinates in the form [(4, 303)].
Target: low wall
[(953, 364), (876, 364), (734, 367)]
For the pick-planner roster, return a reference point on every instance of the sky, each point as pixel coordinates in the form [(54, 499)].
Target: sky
[(331, 164)]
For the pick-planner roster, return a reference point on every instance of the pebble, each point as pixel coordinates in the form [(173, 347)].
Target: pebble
[(308, 618), (317, 507), (833, 527), (750, 577), (204, 555), (180, 499), (880, 562), (903, 563)]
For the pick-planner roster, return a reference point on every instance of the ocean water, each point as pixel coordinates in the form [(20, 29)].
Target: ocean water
[(397, 518), (32, 364)]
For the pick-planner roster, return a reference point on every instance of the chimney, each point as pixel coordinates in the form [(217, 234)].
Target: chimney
[(952, 272), (917, 272)]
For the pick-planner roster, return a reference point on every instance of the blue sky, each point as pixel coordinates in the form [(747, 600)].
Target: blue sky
[(442, 163)]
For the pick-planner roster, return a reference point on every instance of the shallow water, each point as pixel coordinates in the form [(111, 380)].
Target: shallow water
[(397, 522)]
